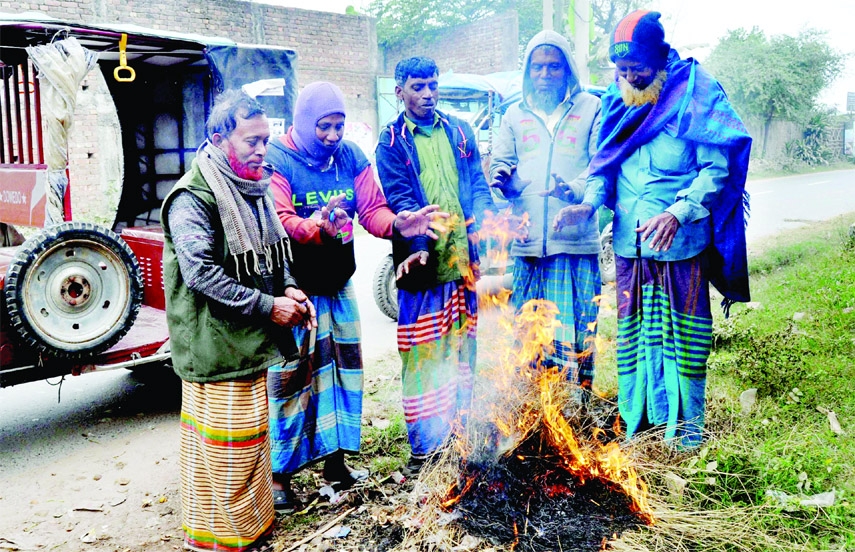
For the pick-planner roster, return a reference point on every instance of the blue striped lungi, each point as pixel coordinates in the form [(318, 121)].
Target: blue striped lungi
[(664, 340), (571, 282), (437, 344), (316, 403)]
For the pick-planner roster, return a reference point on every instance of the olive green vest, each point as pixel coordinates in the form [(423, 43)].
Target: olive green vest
[(209, 341)]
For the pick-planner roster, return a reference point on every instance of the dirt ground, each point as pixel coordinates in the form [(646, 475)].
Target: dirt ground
[(114, 485), (111, 484)]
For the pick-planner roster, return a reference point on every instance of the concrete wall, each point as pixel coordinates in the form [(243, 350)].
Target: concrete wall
[(485, 46), (780, 132)]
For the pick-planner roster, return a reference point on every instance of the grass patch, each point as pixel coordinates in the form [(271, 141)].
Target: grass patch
[(795, 343), (795, 346), (385, 449), (760, 169)]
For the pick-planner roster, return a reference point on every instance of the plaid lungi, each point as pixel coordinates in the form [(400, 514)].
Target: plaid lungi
[(437, 344), (226, 482), (316, 403), (571, 282), (664, 340)]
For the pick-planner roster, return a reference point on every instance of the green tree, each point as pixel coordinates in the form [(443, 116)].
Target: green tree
[(400, 20), (774, 78)]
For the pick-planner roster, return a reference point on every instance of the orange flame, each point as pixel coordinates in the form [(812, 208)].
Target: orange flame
[(454, 495), (527, 397), (590, 460)]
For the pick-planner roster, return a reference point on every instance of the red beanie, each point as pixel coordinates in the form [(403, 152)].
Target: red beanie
[(640, 37)]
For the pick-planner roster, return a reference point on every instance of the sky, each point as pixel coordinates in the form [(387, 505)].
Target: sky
[(691, 23)]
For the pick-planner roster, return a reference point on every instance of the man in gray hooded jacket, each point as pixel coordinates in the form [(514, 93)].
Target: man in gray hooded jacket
[(539, 164)]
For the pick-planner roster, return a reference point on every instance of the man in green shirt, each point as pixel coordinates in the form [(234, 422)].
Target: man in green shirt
[(427, 157)]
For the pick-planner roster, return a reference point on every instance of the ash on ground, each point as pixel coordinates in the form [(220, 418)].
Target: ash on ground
[(528, 498)]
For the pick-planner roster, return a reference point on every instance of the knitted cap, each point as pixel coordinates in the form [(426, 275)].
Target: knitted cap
[(315, 102), (640, 37)]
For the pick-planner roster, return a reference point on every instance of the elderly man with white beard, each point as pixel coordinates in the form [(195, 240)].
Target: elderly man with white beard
[(539, 164), (671, 162)]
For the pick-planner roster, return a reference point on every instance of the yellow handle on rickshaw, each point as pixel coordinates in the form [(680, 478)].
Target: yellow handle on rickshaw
[(123, 62)]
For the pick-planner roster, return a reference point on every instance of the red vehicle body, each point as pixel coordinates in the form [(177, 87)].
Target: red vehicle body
[(77, 297)]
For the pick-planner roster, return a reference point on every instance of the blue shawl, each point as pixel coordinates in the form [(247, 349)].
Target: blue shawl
[(692, 106)]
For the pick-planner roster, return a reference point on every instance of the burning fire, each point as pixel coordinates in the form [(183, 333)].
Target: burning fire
[(521, 416), (525, 397)]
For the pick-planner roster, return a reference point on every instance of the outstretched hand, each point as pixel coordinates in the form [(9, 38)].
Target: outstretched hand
[(332, 217), (419, 257), (571, 215), (425, 221), (508, 182), (562, 190), (662, 227)]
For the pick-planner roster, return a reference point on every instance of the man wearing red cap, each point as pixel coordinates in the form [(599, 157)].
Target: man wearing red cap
[(671, 163)]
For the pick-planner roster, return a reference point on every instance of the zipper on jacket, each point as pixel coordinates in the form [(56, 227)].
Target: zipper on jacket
[(546, 197), (549, 168)]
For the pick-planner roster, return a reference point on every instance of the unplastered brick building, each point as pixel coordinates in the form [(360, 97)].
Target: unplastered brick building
[(335, 47)]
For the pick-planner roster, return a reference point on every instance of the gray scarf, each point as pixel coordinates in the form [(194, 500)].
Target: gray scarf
[(233, 194)]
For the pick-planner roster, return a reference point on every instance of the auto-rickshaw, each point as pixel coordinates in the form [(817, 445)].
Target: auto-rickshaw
[(76, 296)]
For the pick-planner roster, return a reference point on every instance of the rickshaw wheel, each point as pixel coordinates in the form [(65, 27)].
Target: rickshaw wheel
[(608, 269), (73, 290), (385, 288)]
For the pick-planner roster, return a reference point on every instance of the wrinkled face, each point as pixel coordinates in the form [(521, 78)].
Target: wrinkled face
[(636, 73), (246, 146), (330, 129), (547, 70), (419, 96)]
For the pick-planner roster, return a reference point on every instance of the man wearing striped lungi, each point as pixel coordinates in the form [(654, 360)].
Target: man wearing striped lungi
[(540, 160), (427, 157), (671, 163), (230, 300)]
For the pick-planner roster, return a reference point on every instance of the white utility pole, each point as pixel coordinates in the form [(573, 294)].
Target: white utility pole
[(582, 41), (548, 14)]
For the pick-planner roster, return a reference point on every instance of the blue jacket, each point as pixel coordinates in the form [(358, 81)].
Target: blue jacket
[(682, 177), (399, 168)]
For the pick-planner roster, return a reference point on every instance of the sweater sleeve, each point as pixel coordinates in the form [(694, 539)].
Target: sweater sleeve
[(298, 229), (193, 239), (374, 213), (504, 152)]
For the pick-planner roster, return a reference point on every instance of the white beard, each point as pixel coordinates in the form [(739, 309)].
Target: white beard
[(547, 101), (633, 97)]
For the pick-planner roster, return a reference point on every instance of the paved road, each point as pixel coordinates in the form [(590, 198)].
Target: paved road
[(32, 421), (782, 203)]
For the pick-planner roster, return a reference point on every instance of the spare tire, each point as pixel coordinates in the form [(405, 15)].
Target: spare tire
[(386, 288), (608, 268), (73, 290)]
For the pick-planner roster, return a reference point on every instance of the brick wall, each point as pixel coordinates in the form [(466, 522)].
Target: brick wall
[(484, 46), (95, 162), (336, 47)]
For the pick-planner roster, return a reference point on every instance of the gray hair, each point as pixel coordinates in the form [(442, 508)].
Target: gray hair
[(228, 106)]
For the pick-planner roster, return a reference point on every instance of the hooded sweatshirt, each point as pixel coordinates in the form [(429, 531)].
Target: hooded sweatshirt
[(307, 173), (526, 140)]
